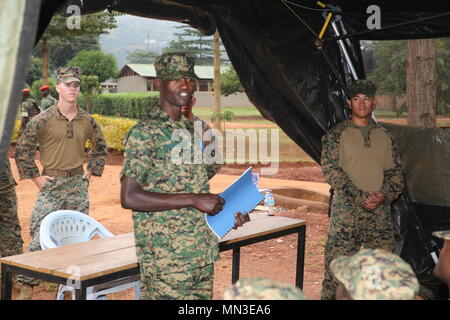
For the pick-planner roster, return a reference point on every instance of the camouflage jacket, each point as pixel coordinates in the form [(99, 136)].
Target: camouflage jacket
[(179, 237), (47, 102), (7, 179), (29, 108), (36, 127), (340, 181)]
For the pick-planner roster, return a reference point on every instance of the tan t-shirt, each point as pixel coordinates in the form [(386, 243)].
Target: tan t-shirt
[(61, 143), (364, 163)]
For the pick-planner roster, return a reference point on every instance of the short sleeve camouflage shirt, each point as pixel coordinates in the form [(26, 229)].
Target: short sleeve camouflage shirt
[(181, 236)]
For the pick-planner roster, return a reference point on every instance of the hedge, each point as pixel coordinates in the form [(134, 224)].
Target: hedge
[(130, 105)]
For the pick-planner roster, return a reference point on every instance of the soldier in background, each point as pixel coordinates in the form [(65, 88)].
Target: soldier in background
[(442, 268), (175, 248), (361, 163), (11, 242), (28, 109), (47, 100), (374, 275), (262, 289), (61, 132)]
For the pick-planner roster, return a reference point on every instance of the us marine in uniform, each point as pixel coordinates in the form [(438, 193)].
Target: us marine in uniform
[(361, 163), (61, 132), (175, 248)]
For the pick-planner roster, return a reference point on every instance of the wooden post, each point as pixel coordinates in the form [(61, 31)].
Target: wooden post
[(421, 78), (44, 61), (217, 78)]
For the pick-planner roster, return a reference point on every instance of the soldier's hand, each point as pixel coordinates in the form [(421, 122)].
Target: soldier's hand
[(240, 219), (41, 181), (87, 175), (208, 202), (374, 200)]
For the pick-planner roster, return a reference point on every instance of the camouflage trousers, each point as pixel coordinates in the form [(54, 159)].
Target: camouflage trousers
[(61, 193), (351, 229), (193, 284), (10, 231)]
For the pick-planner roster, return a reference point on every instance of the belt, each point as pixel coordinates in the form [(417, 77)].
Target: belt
[(63, 173)]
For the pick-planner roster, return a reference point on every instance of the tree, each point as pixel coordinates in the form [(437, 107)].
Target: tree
[(95, 63), (389, 75), (142, 56), (89, 87), (34, 70), (61, 50), (92, 24), (421, 78), (230, 82), (390, 72), (195, 43)]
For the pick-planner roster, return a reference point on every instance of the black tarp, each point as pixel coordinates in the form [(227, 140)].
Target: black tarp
[(288, 79)]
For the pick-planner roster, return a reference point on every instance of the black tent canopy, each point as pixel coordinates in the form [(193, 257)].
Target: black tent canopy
[(294, 83)]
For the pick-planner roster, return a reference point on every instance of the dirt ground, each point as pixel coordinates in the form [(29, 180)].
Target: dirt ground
[(275, 259)]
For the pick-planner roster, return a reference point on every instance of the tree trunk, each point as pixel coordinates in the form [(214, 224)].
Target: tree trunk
[(217, 89), (44, 61), (421, 77)]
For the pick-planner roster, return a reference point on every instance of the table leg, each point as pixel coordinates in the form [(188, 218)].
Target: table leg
[(300, 257), (236, 264), (6, 282), (80, 293)]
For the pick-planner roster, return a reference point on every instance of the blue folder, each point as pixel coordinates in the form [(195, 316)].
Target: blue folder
[(241, 196)]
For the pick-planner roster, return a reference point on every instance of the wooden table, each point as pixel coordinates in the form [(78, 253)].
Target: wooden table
[(97, 261)]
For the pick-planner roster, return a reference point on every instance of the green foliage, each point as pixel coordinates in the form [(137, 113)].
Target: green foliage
[(36, 94), (95, 63), (131, 105), (61, 49), (142, 56), (89, 86), (230, 82), (390, 72), (90, 24), (34, 70), (114, 130), (222, 117), (195, 43)]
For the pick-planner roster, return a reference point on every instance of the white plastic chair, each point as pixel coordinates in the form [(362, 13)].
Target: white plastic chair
[(64, 227)]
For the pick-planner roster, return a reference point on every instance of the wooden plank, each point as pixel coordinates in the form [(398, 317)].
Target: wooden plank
[(63, 257), (105, 263), (260, 225)]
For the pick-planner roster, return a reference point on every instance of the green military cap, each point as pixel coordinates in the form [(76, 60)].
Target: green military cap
[(68, 74), (173, 66), (366, 87), (262, 289), (442, 234), (376, 274)]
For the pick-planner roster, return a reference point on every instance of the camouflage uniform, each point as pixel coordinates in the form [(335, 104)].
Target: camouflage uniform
[(29, 108), (174, 243), (175, 248), (376, 275), (10, 232), (47, 102), (62, 144), (262, 289), (351, 225)]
